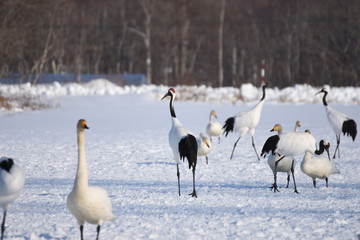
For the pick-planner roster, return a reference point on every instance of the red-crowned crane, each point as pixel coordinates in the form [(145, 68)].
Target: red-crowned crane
[(182, 142), (12, 181), (292, 144), (339, 122), (287, 163), (213, 129), (318, 167), (246, 122), (89, 204)]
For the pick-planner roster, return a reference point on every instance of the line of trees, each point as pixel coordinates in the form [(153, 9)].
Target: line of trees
[(211, 42)]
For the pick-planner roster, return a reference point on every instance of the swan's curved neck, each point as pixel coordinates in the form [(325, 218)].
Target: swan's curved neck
[(324, 99), (172, 110), (81, 179)]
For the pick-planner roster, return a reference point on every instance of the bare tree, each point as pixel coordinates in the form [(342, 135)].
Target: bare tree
[(221, 42)]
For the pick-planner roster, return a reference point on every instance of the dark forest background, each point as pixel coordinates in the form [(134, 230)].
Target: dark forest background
[(192, 42)]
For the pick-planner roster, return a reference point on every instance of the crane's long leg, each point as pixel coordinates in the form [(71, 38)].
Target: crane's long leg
[(253, 144), (81, 232), (232, 153), (98, 232), (292, 172), (3, 225), (193, 194), (327, 182), (274, 186), (288, 180), (178, 176), (337, 146)]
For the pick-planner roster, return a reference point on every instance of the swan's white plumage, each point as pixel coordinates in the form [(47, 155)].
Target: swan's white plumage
[(204, 146), (318, 167), (89, 204), (296, 143), (213, 129)]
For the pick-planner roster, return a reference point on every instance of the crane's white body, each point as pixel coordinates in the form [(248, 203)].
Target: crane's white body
[(176, 133), (284, 165), (336, 119), (248, 121), (89, 204), (11, 185), (12, 179), (318, 166)]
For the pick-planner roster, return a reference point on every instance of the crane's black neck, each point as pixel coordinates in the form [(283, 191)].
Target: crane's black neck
[(172, 111), (321, 148), (324, 99), (263, 96)]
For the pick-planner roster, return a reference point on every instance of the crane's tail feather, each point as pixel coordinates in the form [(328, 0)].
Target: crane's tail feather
[(188, 148), (229, 126), (349, 128), (270, 145)]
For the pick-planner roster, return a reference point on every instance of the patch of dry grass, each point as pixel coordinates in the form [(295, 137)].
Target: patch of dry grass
[(18, 103)]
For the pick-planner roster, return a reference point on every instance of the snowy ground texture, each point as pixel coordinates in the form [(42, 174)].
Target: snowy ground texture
[(128, 155)]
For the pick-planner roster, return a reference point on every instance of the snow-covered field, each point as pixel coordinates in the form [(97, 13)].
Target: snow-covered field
[(128, 155)]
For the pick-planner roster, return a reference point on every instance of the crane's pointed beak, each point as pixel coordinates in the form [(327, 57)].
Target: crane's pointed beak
[(166, 95), (319, 92), (327, 150)]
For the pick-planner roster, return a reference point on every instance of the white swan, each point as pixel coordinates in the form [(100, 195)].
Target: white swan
[(214, 129), (12, 181), (204, 146), (318, 167), (87, 204)]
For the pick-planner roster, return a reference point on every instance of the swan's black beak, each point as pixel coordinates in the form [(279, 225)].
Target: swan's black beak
[(86, 127)]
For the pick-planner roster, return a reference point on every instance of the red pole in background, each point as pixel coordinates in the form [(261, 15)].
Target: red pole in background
[(262, 71)]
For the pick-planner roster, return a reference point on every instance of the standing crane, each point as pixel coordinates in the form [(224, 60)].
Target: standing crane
[(182, 142), (339, 122), (246, 122)]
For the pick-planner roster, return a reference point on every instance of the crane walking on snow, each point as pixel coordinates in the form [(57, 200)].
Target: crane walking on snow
[(339, 122), (246, 122), (182, 142)]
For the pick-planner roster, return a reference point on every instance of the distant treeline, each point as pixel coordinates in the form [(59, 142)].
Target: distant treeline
[(211, 42)]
